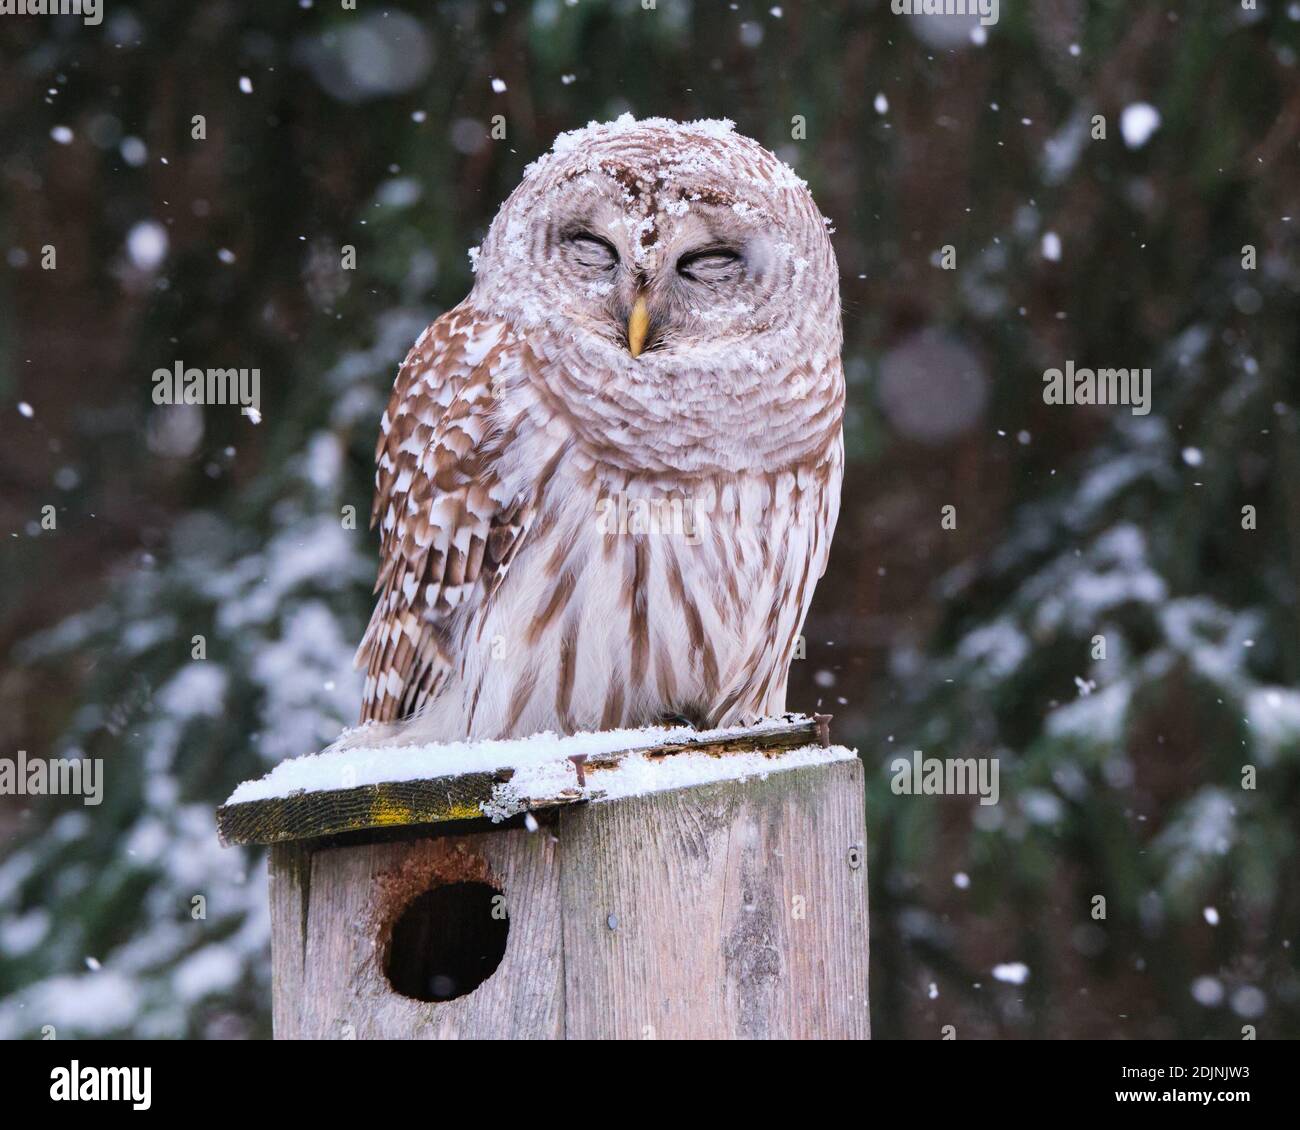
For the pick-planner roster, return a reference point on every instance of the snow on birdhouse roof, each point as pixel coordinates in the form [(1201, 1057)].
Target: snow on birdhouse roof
[(365, 787)]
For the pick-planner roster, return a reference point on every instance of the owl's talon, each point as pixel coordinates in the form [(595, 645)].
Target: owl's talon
[(671, 720)]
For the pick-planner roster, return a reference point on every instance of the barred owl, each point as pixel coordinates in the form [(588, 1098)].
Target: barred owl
[(607, 481)]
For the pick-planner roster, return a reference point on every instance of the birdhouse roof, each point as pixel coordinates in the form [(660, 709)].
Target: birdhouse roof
[(372, 788)]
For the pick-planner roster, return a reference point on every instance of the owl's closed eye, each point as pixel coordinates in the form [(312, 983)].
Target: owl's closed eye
[(712, 266)]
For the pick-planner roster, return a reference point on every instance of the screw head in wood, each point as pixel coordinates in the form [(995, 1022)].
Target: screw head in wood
[(855, 856)]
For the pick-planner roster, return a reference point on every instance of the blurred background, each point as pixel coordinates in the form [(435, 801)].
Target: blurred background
[(1121, 776)]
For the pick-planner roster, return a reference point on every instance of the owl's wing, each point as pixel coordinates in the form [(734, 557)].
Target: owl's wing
[(445, 522)]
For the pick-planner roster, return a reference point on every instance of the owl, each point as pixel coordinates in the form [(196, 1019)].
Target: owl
[(607, 481)]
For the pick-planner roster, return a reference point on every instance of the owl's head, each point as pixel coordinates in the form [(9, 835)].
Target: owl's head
[(650, 245)]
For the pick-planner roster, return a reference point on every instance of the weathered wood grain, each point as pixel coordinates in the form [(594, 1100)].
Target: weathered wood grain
[(732, 910), (436, 800), (390, 804), (357, 893), (290, 894)]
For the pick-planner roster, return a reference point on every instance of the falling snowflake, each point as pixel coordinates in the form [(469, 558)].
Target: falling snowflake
[(146, 244), (1137, 123)]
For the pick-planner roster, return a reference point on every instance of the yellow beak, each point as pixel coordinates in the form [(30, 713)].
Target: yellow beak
[(638, 322)]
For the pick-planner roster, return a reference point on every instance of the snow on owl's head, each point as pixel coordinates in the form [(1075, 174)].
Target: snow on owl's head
[(656, 247)]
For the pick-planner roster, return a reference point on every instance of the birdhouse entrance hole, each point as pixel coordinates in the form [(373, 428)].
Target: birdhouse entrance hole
[(447, 941)]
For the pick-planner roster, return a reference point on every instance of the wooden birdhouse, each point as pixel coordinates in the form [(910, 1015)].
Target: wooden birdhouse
[(613, 885)]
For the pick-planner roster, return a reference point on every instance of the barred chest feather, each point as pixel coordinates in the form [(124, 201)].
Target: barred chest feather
[(632, 600)]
